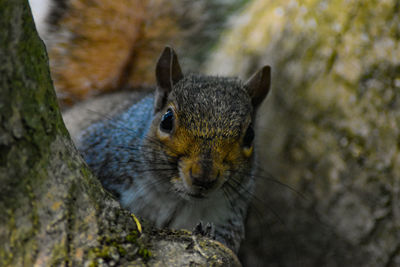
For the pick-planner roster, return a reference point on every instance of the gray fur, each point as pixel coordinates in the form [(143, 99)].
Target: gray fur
[(130, 162), (214, 104)]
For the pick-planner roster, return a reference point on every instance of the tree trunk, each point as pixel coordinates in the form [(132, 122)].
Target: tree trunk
[(330, 129), (52, 210)]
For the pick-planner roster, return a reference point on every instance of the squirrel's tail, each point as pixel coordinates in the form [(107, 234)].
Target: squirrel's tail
[(103, 45), (95, 46)]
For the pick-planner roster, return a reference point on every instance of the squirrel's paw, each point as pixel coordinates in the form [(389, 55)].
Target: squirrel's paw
[(207, 230)]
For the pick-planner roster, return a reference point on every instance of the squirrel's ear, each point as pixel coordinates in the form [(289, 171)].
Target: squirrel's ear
[(258, 85), (168, 73)]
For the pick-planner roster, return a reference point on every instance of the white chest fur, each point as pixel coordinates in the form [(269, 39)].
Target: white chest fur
[(166, 209)]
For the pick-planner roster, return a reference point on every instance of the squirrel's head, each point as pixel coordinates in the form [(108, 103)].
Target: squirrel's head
[(204, 125)]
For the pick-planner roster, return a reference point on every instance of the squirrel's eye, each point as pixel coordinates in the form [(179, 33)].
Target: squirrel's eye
[(248, 137), (167, 121)]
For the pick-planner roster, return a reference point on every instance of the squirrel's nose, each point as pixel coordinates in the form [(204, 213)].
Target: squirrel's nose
[(204, 183), (203, 179)]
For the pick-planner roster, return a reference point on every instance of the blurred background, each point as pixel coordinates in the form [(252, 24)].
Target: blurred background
[(328, 136)]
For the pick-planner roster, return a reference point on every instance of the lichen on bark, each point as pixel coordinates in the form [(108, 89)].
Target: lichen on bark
[(52, 210), (330, 129)]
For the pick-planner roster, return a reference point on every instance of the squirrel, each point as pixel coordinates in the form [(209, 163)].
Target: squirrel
[(181, 157), (101, 46), (176, 157)]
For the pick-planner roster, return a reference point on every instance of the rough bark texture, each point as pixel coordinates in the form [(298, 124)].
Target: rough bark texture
[(52, 210), (330, 129)]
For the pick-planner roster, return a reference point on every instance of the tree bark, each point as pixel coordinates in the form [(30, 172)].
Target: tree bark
[(52, 210), (330, 130)]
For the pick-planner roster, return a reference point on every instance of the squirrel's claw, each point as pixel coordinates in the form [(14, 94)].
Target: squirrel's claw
[(207, 230)]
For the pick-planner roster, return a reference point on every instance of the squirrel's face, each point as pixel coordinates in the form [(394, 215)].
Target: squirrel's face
[(206, 128), (203, 126)]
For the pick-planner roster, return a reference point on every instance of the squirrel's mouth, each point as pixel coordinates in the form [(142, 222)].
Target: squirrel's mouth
[(195, 181), (190, 195), (197, 195), (194, 192), (189, 192)]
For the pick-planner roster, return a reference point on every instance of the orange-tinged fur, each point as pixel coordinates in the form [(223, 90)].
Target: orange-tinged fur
[(106, 45), (187, 158), (188, 145)]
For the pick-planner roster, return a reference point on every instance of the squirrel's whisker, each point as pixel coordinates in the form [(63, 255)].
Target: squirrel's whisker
[(265, 203), (259, 215), (160, 151), (270, 177)]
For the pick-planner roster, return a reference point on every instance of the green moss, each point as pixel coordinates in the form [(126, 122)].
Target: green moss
[(144, 253), (113, 247), (121, 251), (27, 101), (132, 237), (103, 253), (59, 255)]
